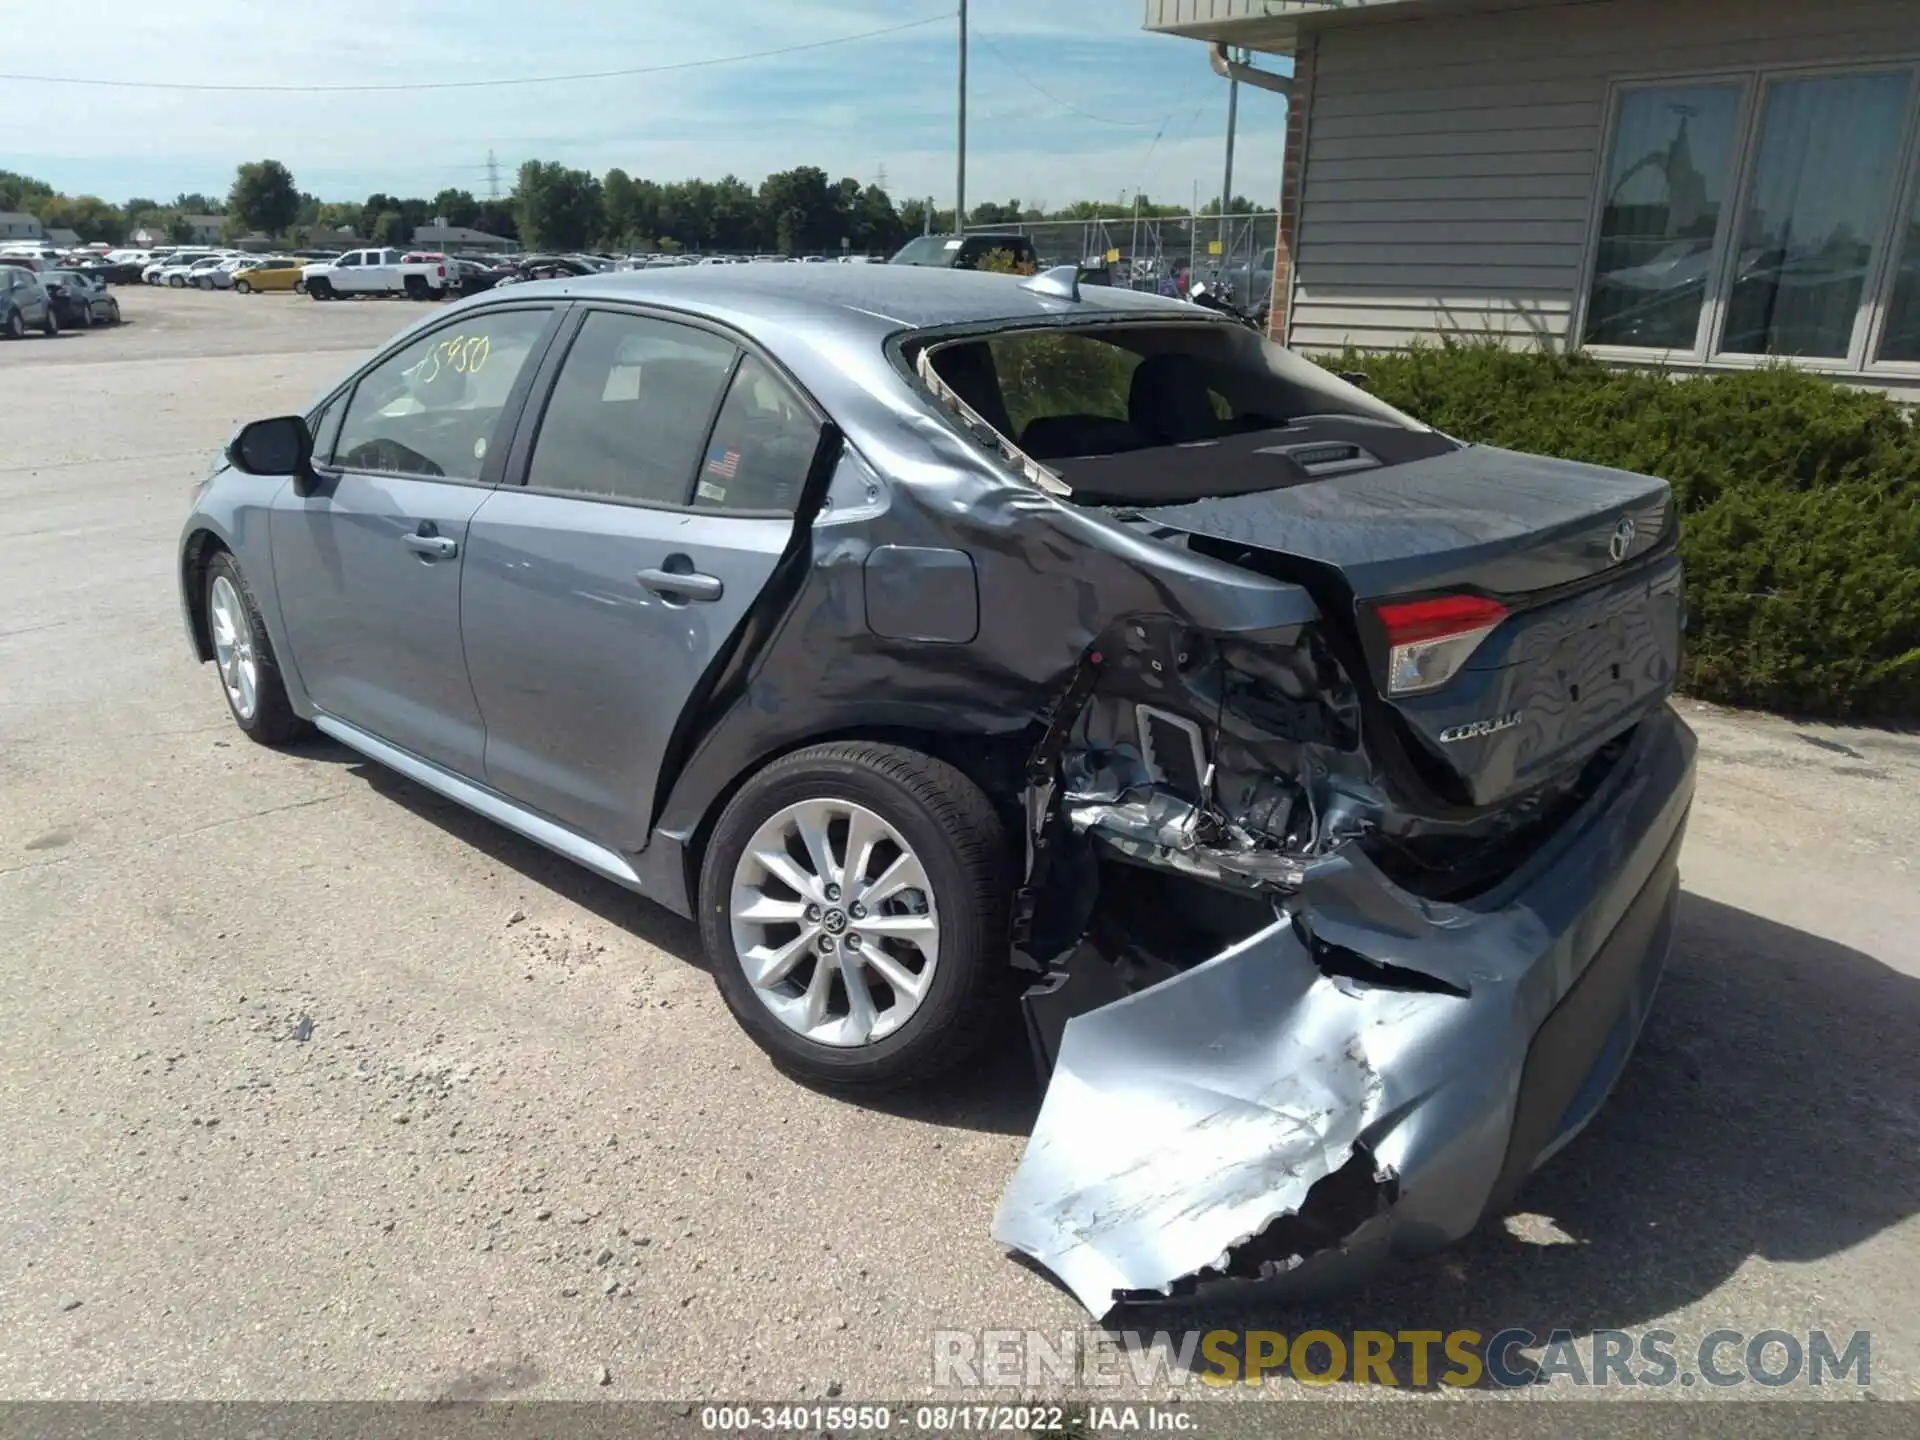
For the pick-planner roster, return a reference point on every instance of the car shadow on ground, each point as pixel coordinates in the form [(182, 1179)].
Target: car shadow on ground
[(1758, 1119), (998, 1093)]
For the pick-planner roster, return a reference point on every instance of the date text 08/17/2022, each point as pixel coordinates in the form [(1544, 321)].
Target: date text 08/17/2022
[(948, 1418)]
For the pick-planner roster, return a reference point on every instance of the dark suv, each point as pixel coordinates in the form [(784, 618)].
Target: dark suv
[(965, 252), (23, 302)]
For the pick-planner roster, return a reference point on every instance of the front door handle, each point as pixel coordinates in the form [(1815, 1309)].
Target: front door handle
[(438, 546), (682, 585)]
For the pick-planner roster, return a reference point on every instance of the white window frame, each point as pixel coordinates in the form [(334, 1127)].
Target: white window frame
[(1882, 269)]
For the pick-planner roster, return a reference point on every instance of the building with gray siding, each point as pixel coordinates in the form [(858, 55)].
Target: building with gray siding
[(1702, 184)]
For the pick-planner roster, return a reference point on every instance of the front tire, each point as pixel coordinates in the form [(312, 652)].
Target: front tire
[(243, 655), (320, 288), (16, 327), (176, 282), (854, 903)]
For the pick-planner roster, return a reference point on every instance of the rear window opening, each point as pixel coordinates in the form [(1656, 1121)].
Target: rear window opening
[(1127, 415)]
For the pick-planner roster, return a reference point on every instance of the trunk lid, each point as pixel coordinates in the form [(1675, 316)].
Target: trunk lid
[(1580, 555)]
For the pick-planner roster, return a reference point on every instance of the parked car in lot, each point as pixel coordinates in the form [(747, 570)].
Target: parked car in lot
[(470, 277), (964, 252), (178, 273), (81, 300), (376, 272), (219, 276), (24, 302), (267, 273), (543, 267), (933, 637)]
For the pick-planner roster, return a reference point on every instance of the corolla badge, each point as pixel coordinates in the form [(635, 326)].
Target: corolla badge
[(1621, 541), (1474, 729)]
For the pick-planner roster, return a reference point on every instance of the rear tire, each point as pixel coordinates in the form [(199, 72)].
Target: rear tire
[(416, 287), (16, 326), (242, 287), (51, 326), (176, 282), (244, 659), (945, 832), (86, 316)]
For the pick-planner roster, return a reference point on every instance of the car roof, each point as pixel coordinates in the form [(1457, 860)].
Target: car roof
[(850, 299)]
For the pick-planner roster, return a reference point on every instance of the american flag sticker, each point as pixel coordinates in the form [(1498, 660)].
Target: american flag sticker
[(723, 463)]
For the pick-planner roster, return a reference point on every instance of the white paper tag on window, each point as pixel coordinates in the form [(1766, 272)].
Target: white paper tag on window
[(953, 245), (707, 490)]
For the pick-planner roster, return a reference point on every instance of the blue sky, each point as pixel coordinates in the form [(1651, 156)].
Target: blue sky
[(850, 109)]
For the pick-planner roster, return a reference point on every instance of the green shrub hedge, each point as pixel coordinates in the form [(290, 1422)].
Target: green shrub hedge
[(1800, 502)]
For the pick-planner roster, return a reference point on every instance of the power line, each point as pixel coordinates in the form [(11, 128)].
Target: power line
[(1001, 55), (477, 84)]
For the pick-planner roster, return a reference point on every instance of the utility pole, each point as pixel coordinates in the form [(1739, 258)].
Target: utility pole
[(493, 177), (960, 170), (1226, 185)]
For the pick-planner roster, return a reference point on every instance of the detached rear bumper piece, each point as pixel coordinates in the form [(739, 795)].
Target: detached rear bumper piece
[(1365, 1078)]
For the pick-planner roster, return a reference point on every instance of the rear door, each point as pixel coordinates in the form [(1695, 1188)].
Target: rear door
[(659, 488), (368, 564)]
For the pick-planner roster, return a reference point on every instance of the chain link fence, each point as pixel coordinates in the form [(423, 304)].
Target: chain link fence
[(1232, 254)]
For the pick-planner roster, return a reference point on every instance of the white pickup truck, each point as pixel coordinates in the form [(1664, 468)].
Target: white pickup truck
[(378, 272)]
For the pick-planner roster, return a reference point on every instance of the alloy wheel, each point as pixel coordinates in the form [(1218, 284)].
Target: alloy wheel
[(834, 922), (233, 648)]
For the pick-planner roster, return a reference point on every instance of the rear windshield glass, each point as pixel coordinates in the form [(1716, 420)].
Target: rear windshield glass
[(1162, 414)]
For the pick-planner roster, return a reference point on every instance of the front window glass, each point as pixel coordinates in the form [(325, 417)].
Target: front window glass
[(1666, 183), (433, 408), (1823, 179), (631, 409)]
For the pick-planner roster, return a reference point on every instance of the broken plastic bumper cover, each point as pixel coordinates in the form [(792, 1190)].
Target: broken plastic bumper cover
[(1267, 1114)]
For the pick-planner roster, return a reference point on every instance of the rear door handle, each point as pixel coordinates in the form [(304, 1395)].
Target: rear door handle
[(682, 584), (438, 546)]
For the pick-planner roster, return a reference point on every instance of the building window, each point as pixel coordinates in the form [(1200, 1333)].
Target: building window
[(1749, 217), (1824, 176), (1672, 161)]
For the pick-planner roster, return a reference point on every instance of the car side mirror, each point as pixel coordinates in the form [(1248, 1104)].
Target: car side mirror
[(279, 446)]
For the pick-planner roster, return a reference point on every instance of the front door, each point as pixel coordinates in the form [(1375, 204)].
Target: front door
[(658, 497), (368, 565)]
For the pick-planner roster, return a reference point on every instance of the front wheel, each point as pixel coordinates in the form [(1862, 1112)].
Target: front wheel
[(854, 902), (16, 325), (243, 653)]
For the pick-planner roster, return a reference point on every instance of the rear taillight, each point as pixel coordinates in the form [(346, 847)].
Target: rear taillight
[(441, 271), (1429, 640)]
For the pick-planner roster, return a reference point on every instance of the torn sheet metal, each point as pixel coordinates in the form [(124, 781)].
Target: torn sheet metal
[(1182, 1121)]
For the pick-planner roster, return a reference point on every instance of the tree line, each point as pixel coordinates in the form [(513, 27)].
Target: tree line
[(555, 207)]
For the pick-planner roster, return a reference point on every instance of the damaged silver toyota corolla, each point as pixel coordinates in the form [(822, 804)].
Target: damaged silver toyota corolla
[(967, 651)]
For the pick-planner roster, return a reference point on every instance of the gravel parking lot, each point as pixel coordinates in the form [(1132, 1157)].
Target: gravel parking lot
[(315, 1086)]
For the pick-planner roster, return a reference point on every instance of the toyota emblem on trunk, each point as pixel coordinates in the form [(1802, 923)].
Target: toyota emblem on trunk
[(1621, 541)]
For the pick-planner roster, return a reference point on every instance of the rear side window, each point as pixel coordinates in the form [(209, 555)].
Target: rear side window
[(762, 446), (432, 409), (631, 410)]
